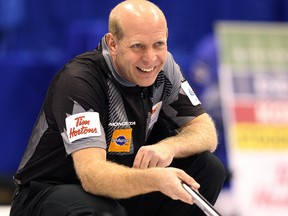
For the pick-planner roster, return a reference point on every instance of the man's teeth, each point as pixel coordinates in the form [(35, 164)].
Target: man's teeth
[(146, 69)]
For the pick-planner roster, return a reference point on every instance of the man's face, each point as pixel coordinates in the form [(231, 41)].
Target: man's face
[(141, 54)]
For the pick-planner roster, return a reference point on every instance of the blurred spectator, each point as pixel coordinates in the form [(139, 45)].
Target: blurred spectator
[(11, 15)]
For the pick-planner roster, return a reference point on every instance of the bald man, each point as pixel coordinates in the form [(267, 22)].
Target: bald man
[(120, 130)]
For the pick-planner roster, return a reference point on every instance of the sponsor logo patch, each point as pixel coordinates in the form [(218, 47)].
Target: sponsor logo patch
[(190, 93), (121, 140), (83, 125), (155, 113)]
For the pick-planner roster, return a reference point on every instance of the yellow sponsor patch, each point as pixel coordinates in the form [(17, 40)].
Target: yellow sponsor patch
[(121, 140)]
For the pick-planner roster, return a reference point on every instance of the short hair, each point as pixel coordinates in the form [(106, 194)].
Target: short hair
[(115, 27)]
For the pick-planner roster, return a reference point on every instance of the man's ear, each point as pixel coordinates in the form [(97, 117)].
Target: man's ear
[(111, 43)]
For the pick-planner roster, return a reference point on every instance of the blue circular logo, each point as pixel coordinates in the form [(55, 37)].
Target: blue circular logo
[(191, 92), (120, 140)]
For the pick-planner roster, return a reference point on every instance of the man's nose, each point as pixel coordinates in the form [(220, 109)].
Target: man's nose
[(149, 55)]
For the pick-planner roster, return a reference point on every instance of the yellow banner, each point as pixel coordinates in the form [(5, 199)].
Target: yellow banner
[(253, 136)]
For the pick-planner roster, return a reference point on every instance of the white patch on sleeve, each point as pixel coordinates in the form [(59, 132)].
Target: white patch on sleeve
[(155, 113), (190, 93), (83, 125)]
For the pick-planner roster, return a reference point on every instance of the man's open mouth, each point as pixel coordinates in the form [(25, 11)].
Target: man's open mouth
[(145, 69)]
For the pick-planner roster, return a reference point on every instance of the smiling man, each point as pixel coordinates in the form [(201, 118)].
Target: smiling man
[(120, 130), (140, 53)]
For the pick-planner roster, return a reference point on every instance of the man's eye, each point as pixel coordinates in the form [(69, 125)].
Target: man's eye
[(137, 46), (159, 44)]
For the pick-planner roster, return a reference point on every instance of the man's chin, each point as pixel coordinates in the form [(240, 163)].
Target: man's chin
[(146, 83)]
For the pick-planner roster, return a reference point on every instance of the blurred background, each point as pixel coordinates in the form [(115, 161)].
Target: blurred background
[(38, 37)]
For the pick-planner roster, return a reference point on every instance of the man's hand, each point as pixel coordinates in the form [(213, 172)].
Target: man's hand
[(169, 181), (157, 155)]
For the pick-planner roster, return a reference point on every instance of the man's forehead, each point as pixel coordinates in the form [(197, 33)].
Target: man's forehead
[(133, 10)]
